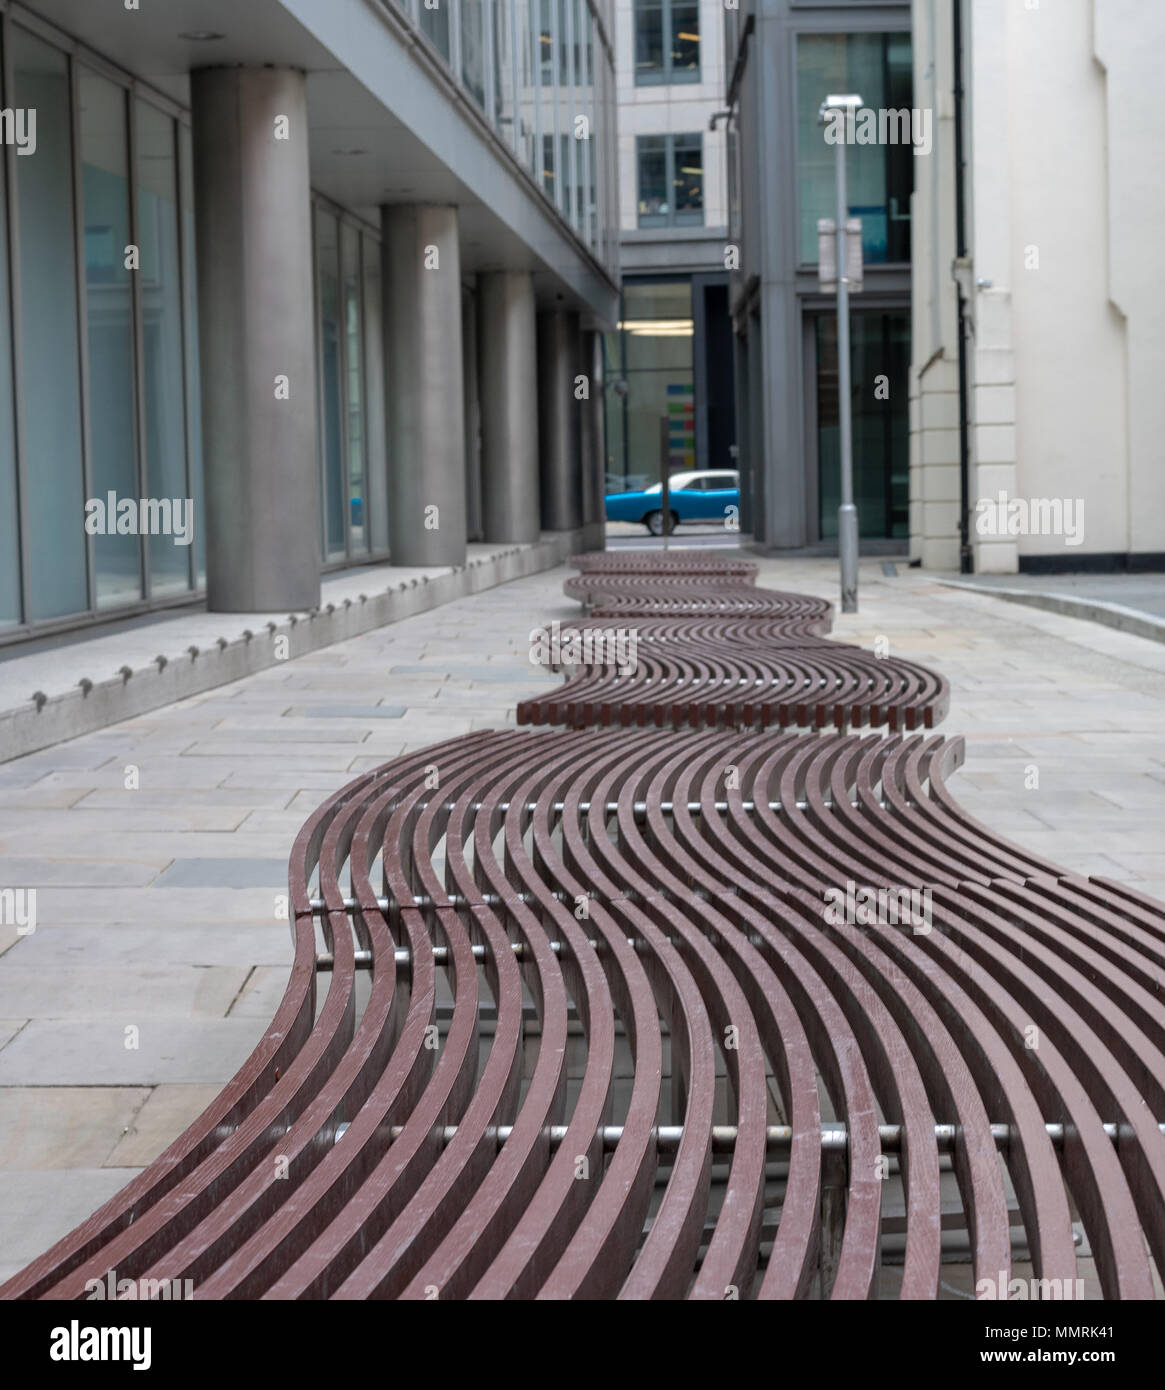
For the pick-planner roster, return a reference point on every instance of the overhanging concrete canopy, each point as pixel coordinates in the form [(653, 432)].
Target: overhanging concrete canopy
[(387, 121)]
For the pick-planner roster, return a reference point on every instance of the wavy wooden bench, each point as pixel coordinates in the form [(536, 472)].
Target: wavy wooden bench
[(738, 672), (662, 562), (646, 904)]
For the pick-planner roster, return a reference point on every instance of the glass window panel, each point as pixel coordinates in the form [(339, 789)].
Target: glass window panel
[(331, 385), (581, 18), (654, 207), (435, 24), (377, 461), (880, 344), (9, 494), (685, 43), (880, 176), (546, 42), (526, 16), (354, 364), (657, 333), (548, 164), (165, 367), (110, 312), (473, 48), (648, 40), (193, 377), (614, 409), (565, 112), (49, 337), (503, 57), (688, 179)]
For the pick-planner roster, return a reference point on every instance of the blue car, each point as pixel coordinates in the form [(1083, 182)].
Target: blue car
[(705, 496)]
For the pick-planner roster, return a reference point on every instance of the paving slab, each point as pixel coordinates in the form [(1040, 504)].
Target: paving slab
[(75, 1052), (41, 1205), (64, 1126)]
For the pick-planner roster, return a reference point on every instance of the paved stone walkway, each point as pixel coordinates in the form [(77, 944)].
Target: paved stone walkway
[(158, 847)]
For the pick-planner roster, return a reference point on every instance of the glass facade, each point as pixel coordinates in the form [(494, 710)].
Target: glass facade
[(348, 282), (879, 347), (99, 373), (652, 353), (880, 177), (100, 298)]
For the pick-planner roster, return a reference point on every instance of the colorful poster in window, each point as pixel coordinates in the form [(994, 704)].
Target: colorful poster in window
[(681, 410)]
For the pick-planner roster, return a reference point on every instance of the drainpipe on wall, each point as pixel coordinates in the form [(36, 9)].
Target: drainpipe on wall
[(966, 556)]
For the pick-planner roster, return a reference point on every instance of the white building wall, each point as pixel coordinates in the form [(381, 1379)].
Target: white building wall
[(934, 375), (674, 109), (1129, 40), (1065, 206)]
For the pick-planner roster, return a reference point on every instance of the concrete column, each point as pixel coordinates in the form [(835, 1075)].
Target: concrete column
[(424, 385), (257, 334), (508, 365), (592, 442), (558, 422)]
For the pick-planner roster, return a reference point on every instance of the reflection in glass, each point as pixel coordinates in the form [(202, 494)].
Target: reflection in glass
[(880, 345), (327, 261), (653, 199), (376, 522), (161, 291), (525, 14), (503, 94), (880, 177), (435, 24), (193, 374), (648, 40), (354, 364), (109, 306), (473, 48), (685, 43), (9, 497), (50, 374), (655, 349), (688, 178), (667, 41), (548, 165)]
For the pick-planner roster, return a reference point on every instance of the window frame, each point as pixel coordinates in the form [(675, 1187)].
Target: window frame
[(668, 74), (674, 217)]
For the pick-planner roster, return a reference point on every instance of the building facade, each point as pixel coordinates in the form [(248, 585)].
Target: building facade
[(672, 357), (1046, 454), (783, 58), (295, 285)]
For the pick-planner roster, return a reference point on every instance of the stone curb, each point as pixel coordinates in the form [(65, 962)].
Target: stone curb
[(95, 704), (1114, 615)]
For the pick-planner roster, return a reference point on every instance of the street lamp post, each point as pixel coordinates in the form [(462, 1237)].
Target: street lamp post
[(847, 513)]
